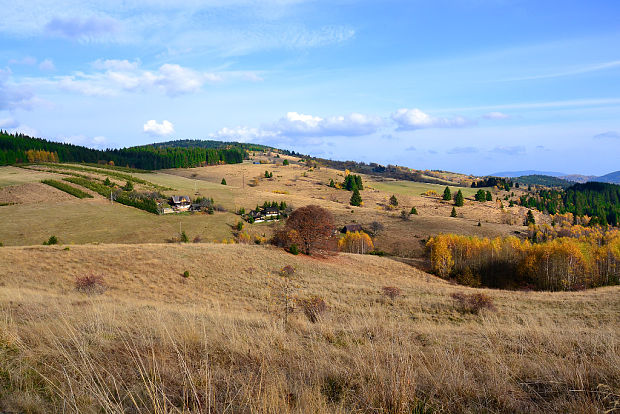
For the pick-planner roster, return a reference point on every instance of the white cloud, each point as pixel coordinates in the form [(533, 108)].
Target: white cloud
[(496, 115), (154, 129), (412, 119), (115, 64), (47, 65), (13, 96), (116, 76), (8, 123), (99, 142), (296, 124)]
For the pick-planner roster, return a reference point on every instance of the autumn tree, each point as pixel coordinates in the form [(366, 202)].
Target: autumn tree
[(459, 200), (447, 195), (355, 242), (311, 228)]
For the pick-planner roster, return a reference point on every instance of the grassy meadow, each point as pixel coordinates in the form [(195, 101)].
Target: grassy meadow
[(155, 341)]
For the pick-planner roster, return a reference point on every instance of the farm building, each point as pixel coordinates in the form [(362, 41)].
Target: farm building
[(265, 213), (180, 202), (351, 228)]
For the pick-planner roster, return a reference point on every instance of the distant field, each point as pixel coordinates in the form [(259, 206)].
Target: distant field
[(415, 189)]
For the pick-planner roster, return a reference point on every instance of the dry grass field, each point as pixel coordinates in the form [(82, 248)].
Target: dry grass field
[(155, 341)]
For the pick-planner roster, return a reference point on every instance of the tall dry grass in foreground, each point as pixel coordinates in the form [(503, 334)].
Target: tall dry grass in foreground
[(214, 343)]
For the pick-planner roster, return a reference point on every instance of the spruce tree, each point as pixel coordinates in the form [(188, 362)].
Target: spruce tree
[(393, 201), (489, 196), (223, 181), (459, 200), (529, 218), (453, 213), (413, 211), (447, 195), (332, 183), (356, 198)]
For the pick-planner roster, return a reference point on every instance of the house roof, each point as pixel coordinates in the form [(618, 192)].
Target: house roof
[(180, 199), (272, 210), (352, 228)]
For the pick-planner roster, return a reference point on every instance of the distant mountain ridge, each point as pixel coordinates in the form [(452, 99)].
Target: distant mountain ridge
[(512, 174), (613, 178)]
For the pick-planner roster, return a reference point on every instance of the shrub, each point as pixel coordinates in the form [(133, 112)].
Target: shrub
[(128, 186), (90, 284), (76, 192), (186, 273), (313, 307), (453, 212), (391, 292), (413, 211), (293, 249), (404, 215), (184, 237), (52, 240), (197, 239), (472, 303), (239, 225), (285, 162), (223, 181), (393, 201)]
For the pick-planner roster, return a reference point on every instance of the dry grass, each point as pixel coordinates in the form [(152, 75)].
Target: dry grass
[(158, 342)]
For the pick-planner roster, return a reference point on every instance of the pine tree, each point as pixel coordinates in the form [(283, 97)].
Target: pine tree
[(459, 200), (489, 196), (356, 198), (223, 181), (447, 195), (332, 183), (453, 213), (529, 218), (393, 201), (413, 211)]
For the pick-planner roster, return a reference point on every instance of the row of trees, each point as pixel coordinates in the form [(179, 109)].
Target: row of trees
[(560, 264), (20, 148)]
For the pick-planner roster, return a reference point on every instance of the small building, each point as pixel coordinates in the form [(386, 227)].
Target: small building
[(351, 228), (180, 202), (271, 212)]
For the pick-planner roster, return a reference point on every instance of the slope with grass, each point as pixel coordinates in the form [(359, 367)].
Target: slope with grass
[(215, 341)]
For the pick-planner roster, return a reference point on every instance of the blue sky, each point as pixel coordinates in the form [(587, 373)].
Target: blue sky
[(473, 86)]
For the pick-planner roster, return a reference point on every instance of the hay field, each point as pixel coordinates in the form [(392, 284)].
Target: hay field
[(157, 342)]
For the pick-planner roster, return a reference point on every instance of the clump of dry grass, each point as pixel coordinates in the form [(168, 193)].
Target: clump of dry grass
[(91, 284), (392, 292), (313, 307), (473, 302)]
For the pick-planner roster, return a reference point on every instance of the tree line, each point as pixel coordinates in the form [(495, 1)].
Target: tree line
[(599, 201), (20, 148), (564, 263)]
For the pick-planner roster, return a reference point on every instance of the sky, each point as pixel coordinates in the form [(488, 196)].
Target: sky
[(473, 86)]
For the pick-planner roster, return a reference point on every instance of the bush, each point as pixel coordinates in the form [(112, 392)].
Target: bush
[(223, 181), (413, 211), (76, 192), (184, 237), (293, 249), (90, 284), (197, 239), (285, 162), (186, 274), (239, 226), (453, 212), (472, 303), (52, 240), (391, 292), (313, 307)]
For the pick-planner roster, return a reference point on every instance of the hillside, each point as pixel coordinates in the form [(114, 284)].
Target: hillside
[(543, 180), (613, 178), (514, 174), (215, 341)]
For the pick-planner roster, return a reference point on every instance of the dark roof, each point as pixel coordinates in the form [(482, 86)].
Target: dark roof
[(272, 210), (351, 228)]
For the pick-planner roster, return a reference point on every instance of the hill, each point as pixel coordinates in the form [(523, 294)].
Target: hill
[(578, 178), (146, 337), (544, 180), (513, 174), (613, 178), (19, 148)]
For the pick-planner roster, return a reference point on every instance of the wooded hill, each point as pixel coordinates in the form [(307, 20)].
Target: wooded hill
[(20, 148), (601, 201)]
